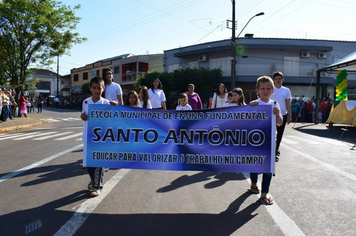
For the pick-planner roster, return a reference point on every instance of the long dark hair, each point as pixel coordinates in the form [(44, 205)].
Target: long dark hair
[(241, 93), (218, 91), (127, 100), (145, 97), (160, 86)]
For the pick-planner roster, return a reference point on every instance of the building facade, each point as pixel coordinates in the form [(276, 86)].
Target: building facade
[(298, 59), (126, 68), (49, 83)]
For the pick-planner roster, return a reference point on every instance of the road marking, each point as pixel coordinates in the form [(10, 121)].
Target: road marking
[(60, 119), (33, 135), (70, 136), (327, 165), (50, 120), (87, 207), (17, 172), (17, 135), (33, 226), (52, 136), (286, 224)]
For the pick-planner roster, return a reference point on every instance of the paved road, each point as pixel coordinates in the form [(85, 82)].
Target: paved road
[(44, 189)]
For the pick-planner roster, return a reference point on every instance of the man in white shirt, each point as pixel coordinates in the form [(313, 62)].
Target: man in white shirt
[(113, 91), (283, 96)]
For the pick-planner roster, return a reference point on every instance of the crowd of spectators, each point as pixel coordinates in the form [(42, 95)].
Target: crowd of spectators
[(32, 104), (304, 110)]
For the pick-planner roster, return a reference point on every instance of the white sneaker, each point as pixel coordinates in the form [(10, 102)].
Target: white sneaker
[(90, 187), (95, 193)]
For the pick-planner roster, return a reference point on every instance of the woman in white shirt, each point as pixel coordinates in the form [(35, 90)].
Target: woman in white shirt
[(156, 95), (220, 97)]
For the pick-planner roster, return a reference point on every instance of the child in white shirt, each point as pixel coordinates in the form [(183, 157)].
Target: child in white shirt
[(96, 173), (183, 103)]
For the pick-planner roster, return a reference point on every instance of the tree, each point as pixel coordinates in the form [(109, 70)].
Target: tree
[(85, 88), (31, 84), (34, 31)]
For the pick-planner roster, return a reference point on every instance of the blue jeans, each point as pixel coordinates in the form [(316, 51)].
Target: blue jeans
[(266, 180), (5, 112)]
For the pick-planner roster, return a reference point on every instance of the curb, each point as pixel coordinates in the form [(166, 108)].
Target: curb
[(21, 126)]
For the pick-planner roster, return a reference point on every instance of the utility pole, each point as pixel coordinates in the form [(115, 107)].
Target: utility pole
[(57, 75), (233, 48)]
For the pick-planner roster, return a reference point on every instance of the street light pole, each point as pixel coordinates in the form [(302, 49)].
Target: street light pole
[(233, 43), (233, 48), (259, 14)]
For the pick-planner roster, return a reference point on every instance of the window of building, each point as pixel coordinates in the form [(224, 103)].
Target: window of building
[(194, 64), (173, 67), (85, 76), (223, 63), (76, 77), (116, 69), (98, 72), (93, 73), (291, 66)]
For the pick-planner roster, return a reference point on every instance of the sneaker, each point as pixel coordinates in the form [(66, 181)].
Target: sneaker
[(90, 187), (95, 193)]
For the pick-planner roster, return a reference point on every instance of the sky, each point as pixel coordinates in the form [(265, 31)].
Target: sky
[(116, 27)]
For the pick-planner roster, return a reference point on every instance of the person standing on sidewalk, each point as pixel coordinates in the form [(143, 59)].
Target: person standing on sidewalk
[(40, 104), (283, 96), (113, 91)]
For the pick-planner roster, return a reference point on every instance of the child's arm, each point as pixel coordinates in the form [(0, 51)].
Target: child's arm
[(254, 103), (279, 118), (83, 116), (113, 103)]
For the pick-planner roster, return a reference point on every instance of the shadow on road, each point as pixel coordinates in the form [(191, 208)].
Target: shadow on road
[(42, 220), (52, 173), (225, 223), (185, 180), (337, 132)]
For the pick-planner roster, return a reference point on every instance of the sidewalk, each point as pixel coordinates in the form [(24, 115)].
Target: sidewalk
[(33, 120), (20, 123)]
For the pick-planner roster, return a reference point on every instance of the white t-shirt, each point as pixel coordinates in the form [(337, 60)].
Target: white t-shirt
[(233, 104), (86, 102), (260, 102), (280, 95), (149, 105), (218, 101), (185, 108), (156, 98), (112, 91)]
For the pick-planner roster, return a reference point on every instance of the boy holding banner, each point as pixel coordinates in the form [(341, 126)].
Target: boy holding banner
[(96, 174), (265, 87)]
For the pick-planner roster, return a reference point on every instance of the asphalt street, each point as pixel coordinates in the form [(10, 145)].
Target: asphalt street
[(44, 188)]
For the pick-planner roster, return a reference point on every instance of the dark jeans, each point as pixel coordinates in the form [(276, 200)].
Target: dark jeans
[(266, 180), (96, 176), (39, 107), (5, 113), (280, 131)]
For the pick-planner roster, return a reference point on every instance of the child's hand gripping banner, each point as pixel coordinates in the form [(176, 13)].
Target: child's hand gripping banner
[(231, 139)]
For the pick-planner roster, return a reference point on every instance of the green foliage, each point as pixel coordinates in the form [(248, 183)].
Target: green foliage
[(31, 84), (177, 81), (85, 88), (34, 31)]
